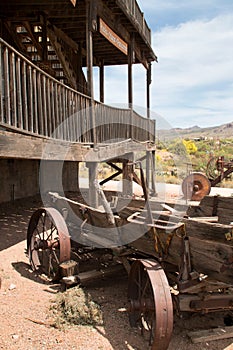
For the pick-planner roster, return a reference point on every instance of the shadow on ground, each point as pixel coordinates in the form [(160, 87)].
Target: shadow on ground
[(14, 219)]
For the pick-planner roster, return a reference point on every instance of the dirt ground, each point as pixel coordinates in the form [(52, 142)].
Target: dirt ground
[(25, 301)]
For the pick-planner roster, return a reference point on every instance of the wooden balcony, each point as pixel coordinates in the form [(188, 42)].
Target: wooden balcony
[(136, 16), (34, 103)]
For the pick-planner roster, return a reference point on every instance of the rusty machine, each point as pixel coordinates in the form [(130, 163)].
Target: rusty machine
[(176, 259), (197, 185)]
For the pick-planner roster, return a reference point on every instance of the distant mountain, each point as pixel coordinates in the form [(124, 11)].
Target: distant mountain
[(222, 131)]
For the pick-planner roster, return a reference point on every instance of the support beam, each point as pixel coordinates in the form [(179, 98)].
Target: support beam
[(33, 38), (102, 82), (148, 83), (90, 25), (11, 30), (44, 39), (111, 177), (78, 187), (81, 79), (153, 181), (127, 177), (89, 45), (148, 167), (92, 174), (69, 72), (130, 74)]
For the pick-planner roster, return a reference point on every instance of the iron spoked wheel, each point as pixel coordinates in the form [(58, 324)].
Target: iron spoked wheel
[(48, 242), (150, 303)]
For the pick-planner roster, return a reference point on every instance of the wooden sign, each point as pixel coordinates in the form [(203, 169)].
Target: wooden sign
[(112, 37), (73, 2)]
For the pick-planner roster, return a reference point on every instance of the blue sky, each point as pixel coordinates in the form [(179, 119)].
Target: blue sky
[(192, 83)]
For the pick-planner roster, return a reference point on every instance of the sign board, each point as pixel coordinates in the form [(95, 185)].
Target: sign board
[(73, 2), (112, 37)]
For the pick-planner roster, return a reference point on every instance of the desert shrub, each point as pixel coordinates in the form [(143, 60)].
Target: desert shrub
[(75, 307)]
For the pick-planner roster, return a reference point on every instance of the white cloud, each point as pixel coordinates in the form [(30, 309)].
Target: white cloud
[(195, 70), (193, 81)]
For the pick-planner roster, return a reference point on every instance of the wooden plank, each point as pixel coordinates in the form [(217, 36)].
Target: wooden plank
[(40, 109), (45, 93), (7, 87), (96, 274), (60, 34), (49, 107), (2, 116), (25, 97), (53, 112), (208, 231), (35, 104), (211, 334), (206, 219), (30, 99), (224, 208), (212, 258), (114, 150), (13, 90), (19, 93), (16, 145), (56, 108)]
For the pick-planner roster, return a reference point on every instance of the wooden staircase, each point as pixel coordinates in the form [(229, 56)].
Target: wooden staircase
[(48, 50)]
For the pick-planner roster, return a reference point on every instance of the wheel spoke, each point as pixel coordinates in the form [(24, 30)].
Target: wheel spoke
[(145, 287), (46, 228)]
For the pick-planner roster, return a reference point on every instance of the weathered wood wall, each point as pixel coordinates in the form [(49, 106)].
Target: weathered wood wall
[(20, 178)]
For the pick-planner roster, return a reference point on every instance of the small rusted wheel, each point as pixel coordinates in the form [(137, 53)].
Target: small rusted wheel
[(48, 242), (196, 186), (150, 303)]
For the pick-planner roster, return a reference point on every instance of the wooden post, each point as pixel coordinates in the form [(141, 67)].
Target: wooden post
[(153, 186), (130, 75), (102, 82), (89, 46), (91, 25), (148, 155), (80, 80), (148, 82), (92, 173), (44, 39), (78, 185), (148, 167), (127, 176)]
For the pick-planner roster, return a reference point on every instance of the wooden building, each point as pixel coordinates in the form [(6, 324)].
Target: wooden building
[(48, 49)]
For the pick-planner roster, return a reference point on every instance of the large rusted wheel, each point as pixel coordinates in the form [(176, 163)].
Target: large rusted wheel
[(150, 303), (196, 186), (48, 242)]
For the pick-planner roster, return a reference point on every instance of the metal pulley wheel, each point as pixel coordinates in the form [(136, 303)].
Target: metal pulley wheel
[(196, 186), (150, 303), (48, 242)]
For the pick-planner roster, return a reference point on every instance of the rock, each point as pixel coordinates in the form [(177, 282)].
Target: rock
[(15, 336), (12, 286)]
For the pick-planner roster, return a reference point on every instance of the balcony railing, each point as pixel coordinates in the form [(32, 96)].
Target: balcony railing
[(31, 101), (132, 10)]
